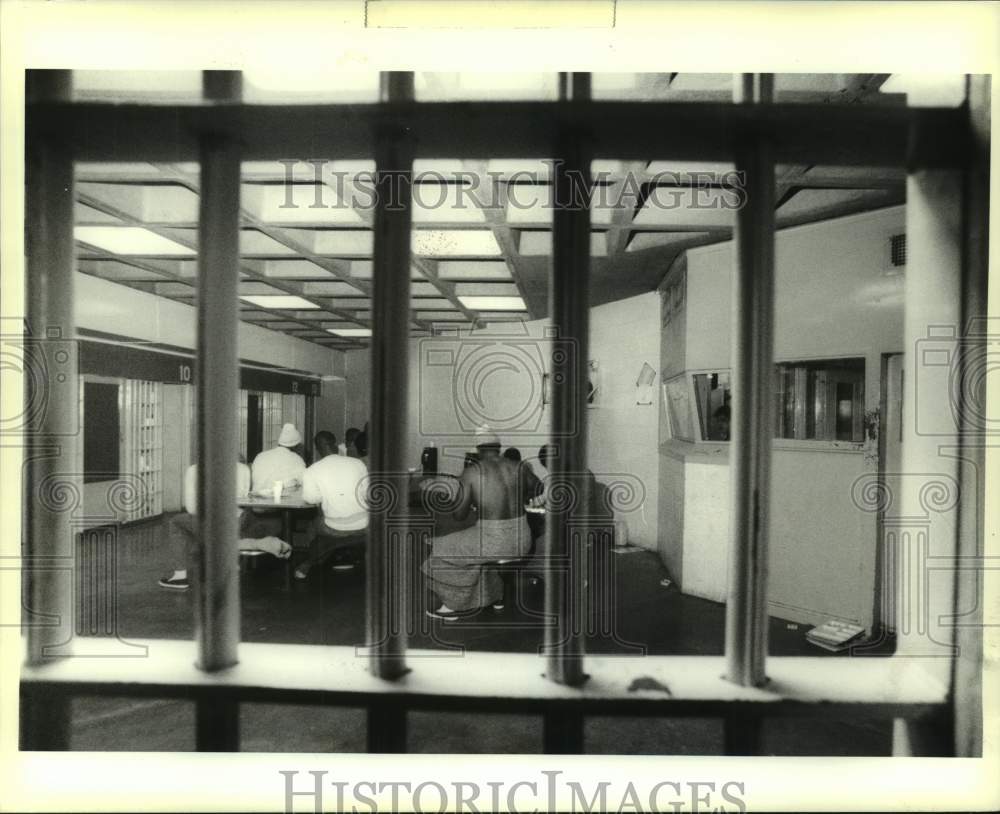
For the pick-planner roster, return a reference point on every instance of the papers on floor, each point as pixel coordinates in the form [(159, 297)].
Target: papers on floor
[(834, 635)]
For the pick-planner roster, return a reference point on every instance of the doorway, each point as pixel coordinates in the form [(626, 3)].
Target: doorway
[(890, 461), (255, 426)]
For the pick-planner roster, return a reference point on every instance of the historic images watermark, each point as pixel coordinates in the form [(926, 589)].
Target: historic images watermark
[(319, 183), (546, 791)]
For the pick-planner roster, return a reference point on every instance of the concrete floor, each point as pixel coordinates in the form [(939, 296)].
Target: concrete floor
[(329, 609)]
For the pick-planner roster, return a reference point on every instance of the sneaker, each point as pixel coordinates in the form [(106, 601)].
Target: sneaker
[(498, 606), (177, 583), (344, 566), (448, 615)]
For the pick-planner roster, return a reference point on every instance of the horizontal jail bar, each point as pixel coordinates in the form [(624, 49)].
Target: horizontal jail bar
[(824, 134), (501, 682)]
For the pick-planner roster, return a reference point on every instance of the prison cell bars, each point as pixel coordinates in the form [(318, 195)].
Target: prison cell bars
[(388, 542), (752, 421), (967, 675), (49, 423), (572, 117), (569, 307), (216, 572)]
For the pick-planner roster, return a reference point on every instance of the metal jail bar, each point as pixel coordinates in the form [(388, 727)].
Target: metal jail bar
[(967, 678), (752, 363), (217, 601), (386, 580), (569, 304), (52, 448), (49, 418)]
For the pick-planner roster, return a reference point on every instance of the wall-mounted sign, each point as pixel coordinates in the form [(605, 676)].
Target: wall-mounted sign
[(136, 362)]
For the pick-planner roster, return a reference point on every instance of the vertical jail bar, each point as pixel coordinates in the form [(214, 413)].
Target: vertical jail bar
[(967, 676), (569, 304), (217, 601), (386, 580), (50, 416), (933, 351), (752, 363)]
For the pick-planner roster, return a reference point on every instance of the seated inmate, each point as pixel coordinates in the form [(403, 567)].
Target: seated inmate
[(336, 483), (280, 463), (255, 533), (458, 569)]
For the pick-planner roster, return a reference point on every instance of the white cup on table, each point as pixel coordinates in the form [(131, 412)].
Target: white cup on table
[(278, 486)]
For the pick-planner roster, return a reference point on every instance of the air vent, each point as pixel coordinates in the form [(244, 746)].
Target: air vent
[(897, 250)]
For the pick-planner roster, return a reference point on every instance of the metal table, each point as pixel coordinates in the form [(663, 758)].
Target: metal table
[(290, 503)]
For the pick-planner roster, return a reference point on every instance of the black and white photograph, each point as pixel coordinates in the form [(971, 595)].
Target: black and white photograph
[(423, 428)]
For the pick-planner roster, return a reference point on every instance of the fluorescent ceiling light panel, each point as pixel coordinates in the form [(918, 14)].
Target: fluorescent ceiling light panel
[(350, 332), (455, 243), (493, 303), (278, 301), (129, 240), (539, 244)]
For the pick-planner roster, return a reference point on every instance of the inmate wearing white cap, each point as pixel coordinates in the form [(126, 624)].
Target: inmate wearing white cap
[(279, 463), (289, 437), (485, 437)]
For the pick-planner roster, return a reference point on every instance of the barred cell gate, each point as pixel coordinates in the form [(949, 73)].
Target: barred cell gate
[(934, 700)]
